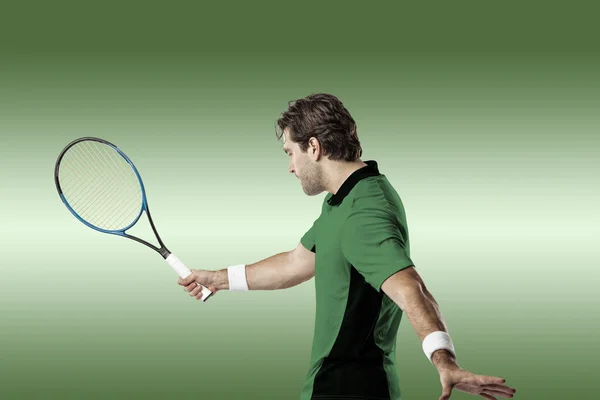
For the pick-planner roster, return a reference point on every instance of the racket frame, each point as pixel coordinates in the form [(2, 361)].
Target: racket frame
[(162, 250)]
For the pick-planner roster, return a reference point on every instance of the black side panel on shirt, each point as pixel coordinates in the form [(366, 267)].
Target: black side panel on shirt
[(354, 366)]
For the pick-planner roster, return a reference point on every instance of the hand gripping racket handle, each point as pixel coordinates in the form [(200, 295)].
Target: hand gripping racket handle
[(184, 272)]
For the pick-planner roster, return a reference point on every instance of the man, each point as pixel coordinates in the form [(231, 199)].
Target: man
[(358, 252)]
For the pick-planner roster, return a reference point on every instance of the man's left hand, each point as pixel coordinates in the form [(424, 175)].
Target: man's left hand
[(488, 387)]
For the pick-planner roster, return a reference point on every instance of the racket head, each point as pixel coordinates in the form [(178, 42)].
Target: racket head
[(100, 185)]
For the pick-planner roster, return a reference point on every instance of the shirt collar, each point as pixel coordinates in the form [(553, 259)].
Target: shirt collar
[(369, 170)]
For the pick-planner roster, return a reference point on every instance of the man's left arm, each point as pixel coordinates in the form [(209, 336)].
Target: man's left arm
[(408, 291)]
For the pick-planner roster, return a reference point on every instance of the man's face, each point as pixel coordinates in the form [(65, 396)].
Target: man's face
[(303, 167)]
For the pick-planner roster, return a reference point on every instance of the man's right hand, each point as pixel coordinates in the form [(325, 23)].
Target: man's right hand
[(198, 277)]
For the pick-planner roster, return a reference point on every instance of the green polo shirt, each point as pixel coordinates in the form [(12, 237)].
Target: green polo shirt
[(360, 239)]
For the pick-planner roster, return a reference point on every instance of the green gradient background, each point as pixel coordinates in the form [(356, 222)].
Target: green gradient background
[(485, 119)]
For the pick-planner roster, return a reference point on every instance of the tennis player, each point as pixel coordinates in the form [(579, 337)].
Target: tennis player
[(358, 251)]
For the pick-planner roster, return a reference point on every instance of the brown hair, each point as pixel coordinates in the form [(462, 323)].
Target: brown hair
[(324, 117)]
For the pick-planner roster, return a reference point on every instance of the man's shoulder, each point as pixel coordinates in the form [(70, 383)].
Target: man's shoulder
[(376, 195), (373, 188)]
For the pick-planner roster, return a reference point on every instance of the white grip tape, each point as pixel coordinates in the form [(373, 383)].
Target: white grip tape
[(184, 272), (436, 341)]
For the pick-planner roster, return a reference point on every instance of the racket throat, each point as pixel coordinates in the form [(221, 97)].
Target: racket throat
[(164, 252)]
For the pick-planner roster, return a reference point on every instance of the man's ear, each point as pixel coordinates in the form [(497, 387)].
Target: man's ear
[(314, 147)]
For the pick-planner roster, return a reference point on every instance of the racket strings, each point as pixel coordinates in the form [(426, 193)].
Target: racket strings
[(88, 187), (105, 184), (122, 185), (100, 185), (130, 195), (91, 197)]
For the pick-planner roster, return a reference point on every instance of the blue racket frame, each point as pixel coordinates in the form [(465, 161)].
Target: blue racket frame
[(119, 232)]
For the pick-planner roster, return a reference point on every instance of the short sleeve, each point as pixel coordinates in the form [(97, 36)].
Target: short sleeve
[(373, 243), (308, 239)]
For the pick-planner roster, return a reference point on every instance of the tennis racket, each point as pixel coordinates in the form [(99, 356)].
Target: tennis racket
[(102, 188)]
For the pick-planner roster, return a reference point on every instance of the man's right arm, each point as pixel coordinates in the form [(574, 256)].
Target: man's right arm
[(280, 271)]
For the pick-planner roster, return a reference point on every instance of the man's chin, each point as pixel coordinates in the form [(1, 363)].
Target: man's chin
[(308, 193)]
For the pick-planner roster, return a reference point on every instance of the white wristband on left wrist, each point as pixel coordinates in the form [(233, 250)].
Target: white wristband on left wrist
[(437, 341)]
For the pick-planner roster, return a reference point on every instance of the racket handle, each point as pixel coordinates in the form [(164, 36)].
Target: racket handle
[(184, 272)]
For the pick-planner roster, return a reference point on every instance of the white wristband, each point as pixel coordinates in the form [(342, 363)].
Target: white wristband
[(237, 278), (436, 341)]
